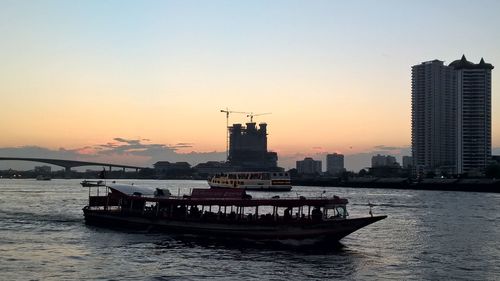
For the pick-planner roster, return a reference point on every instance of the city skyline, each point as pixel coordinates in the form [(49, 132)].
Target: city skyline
[(336, 76)]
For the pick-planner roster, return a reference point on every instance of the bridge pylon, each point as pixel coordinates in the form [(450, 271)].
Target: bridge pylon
[(67, 172)]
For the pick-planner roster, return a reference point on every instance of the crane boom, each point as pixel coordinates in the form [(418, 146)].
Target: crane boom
[(251, 115)]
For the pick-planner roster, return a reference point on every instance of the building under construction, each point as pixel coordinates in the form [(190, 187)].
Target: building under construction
[(248, 148)]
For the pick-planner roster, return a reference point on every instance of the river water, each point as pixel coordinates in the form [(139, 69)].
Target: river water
[(429, 235)]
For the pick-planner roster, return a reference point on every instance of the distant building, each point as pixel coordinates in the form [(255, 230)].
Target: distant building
[(391, 161), (167, 169), (378, 160), (384, 161), (43, 170), (248, 148), (334, 163), (385, 166), (407, 162), (495, 159), (451, 116), (309, 166), (214, 167)]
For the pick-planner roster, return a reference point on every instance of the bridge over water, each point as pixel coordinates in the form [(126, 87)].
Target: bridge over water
[(68, 164)]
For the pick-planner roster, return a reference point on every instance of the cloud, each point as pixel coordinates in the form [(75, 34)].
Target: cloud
[(131, 142), (123, 146), (184, 145), (389, 148), (120, 150)]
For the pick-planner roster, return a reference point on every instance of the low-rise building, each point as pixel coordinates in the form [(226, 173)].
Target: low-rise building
[(385, 166), (214, 167), (43, 170), (384, 161), (309, 166), (172, 170)]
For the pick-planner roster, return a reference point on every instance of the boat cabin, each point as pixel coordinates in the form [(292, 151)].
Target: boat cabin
[(214, 205)]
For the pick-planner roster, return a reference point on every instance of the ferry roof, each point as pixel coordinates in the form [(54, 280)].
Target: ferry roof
[(228, 197), (132, 190), (203, 193)]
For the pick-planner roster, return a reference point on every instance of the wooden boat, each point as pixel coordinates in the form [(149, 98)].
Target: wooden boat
[(257, 181), (228, 213)]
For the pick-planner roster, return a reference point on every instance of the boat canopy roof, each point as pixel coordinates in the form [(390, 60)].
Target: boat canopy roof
[(224, 197), (234, 193), (132, 190)]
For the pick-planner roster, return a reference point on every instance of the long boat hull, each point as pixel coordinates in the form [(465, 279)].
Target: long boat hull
[(332, 230)]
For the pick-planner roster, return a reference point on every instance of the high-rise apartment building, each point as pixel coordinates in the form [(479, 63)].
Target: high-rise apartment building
[(451, 116), (433, 117), (334, 163), (473, 114)]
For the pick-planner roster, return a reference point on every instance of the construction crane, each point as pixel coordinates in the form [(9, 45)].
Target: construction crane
[(227, 111), (251, 115)]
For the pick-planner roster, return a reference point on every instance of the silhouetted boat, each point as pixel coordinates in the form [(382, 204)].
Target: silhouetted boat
[(92, 183), (258, 181), (228, 213)]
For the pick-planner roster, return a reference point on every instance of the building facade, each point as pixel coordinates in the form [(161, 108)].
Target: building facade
[(451, 116), (334, 163), (167, 169), (309, 166), (248, 148), (473, 115), (384, 161), (433, 117)]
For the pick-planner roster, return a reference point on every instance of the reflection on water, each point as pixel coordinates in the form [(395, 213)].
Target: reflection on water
[(428, 235)]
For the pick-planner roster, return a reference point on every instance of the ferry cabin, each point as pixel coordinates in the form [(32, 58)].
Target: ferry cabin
[(215, 205), (277, 181)]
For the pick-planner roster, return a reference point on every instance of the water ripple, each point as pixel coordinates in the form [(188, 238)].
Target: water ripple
[(429, 235)]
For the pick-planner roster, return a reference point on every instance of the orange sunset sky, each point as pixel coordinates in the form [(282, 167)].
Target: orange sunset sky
[(334, 74)]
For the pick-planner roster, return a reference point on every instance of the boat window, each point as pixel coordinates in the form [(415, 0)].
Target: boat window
[(274, 174), (281, 174), (286, 175), (340, 212)]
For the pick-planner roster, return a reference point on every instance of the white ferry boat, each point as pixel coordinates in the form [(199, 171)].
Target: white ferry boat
[(261, 181)]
